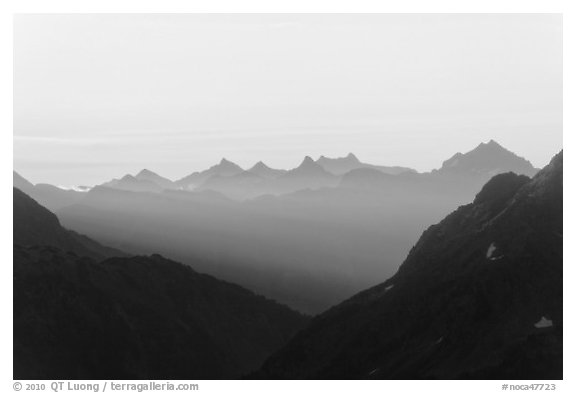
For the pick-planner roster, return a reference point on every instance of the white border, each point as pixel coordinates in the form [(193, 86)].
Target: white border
[(8, 8)]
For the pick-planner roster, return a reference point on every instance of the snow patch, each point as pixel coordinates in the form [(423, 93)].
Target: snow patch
[(75, 188), (543, 323), (491, 250), (373, 371)]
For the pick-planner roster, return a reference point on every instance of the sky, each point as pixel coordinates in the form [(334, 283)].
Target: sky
[(97, 96)]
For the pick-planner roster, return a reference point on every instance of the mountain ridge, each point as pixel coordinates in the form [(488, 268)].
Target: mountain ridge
[(161, 319), (467, 303)]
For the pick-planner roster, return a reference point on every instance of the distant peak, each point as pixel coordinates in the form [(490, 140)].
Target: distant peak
[(226, 163), (145, 172), (307, 161), (492, 144), (352, 157), (260, 165), (128, 177)]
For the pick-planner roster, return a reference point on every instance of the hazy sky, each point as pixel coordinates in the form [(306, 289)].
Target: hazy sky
[(98, 96)]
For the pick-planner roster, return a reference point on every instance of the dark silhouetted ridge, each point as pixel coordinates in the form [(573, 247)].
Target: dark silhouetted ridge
[(478, 297), (77, 317)]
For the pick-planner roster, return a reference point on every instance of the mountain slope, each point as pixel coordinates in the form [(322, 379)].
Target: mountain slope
[(19, 182), (136, 318), (147, 175), (265, 171), (129, 318), (34, 225), (224, 168), (308, 174), (479, 296)]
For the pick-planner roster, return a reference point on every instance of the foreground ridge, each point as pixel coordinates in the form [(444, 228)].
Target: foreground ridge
[(479, 297)]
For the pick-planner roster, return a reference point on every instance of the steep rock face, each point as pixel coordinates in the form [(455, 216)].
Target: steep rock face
[(479, 296), (136, 318)]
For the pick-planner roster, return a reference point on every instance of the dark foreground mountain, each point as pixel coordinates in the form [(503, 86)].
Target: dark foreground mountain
[(34, 225), (130, 318), (479, 296)]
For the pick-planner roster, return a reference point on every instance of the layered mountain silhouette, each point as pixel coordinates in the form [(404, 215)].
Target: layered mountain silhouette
[(143, 181), (308, 175), (224, 168), (304, 237), (129, 317), (50, 196), (476, 167), (34, 225), (479, 296), (343, 165), (132, 183)]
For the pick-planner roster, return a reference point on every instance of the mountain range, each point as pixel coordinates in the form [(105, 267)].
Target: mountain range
[(305, 237), (478, 296), (486, 160)]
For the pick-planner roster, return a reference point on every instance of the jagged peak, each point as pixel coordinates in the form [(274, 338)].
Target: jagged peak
[(491, 144), (145, 172), (352, 156), (488, 157), (307, 162), (260, 165), (224, 163)]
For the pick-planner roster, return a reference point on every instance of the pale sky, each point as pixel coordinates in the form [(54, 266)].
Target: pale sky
[(98, 96)]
